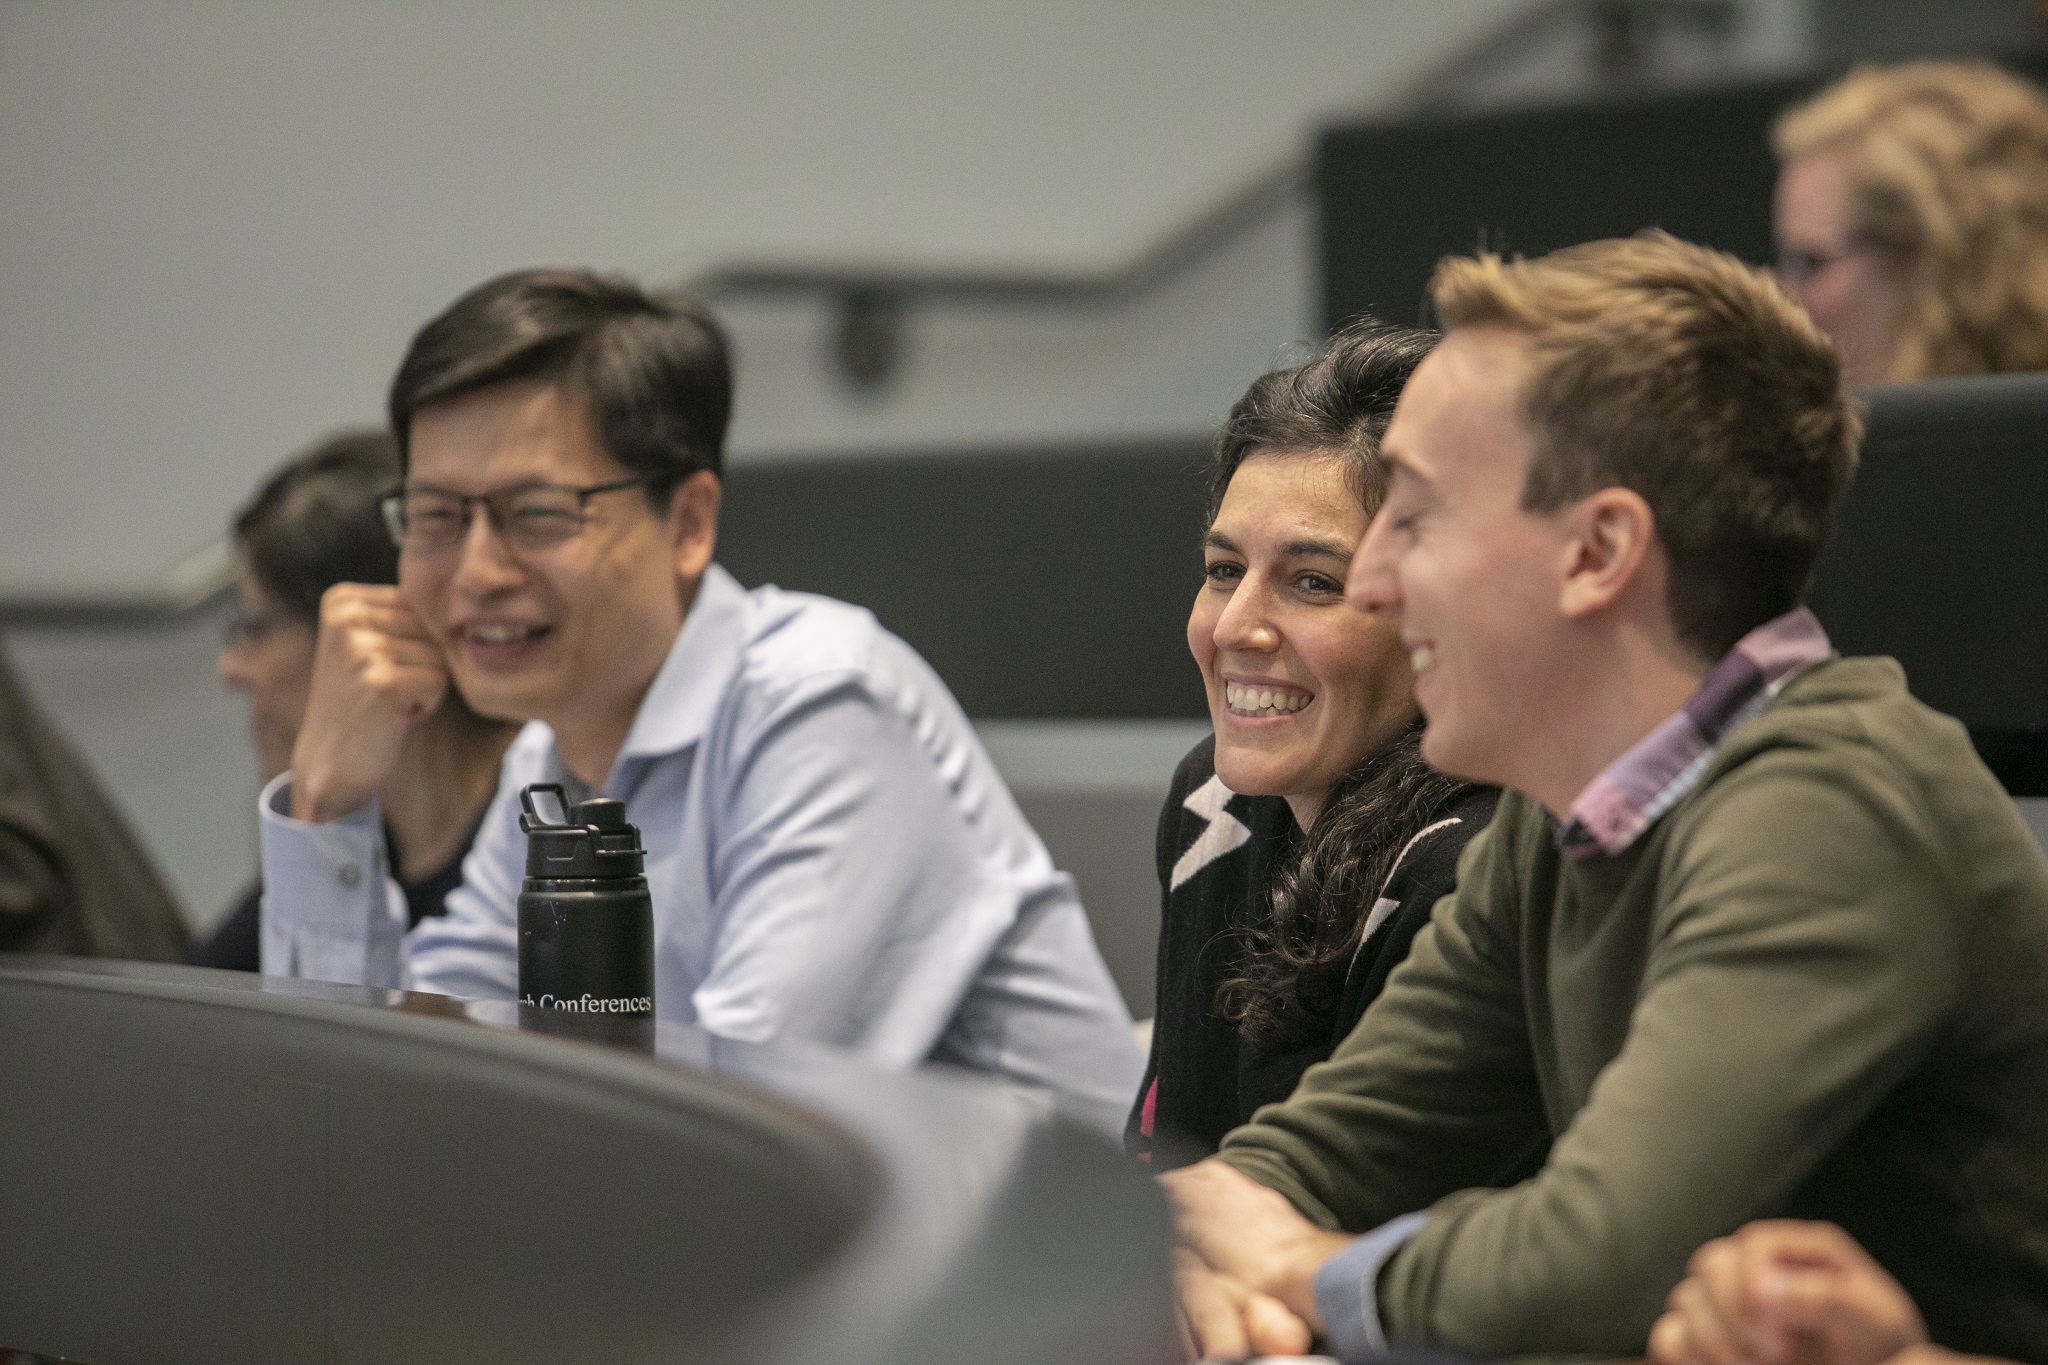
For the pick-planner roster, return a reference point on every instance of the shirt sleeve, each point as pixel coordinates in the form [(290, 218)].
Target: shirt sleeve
[(1801, 961), (1346, 1288), (852, 904), (331, 911)]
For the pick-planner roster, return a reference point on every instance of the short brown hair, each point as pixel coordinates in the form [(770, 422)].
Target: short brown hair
[(1948, 166), (655, 371), (1688, 377)]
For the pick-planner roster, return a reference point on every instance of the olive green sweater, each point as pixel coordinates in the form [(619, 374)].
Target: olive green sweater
[(1817, 987)]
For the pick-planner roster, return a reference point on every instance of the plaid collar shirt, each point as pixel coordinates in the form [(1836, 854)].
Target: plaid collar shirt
[(1655, 774)]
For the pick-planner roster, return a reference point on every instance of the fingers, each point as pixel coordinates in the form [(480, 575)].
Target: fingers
[(1670, 1343), (1701, 1333), (371, 606), (1779, 1291), (376, 674), (1860, 1313), (1272, 1328), (1211, 1317), (1794, 1242)]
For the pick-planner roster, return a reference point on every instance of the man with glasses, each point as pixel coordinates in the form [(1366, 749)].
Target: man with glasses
[(831, 853)]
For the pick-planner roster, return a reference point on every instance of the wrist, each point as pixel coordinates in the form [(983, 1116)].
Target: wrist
[(317, 801), (1291, 1275)]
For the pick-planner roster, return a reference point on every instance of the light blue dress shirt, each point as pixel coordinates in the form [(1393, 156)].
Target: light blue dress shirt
[(1347, 1288), (831, 855)]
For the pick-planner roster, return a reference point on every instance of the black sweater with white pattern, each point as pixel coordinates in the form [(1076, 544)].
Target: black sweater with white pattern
[(1218, 853)]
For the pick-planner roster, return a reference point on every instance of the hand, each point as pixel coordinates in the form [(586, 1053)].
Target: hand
[(1785, 1293), (1250, 1233), (376, 674), (1222, 1318)]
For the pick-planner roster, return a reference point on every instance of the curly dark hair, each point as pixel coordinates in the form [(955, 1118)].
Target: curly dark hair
[(1287, 989)]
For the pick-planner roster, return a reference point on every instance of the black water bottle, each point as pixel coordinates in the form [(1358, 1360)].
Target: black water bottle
[(586, 925)]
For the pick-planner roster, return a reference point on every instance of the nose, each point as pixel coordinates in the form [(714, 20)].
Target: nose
[(1371, 585), (232, 668), (1246, 623), (485, 563)]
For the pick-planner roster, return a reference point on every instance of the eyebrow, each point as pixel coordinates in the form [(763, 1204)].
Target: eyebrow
[(1402, 462), (1293, 549)]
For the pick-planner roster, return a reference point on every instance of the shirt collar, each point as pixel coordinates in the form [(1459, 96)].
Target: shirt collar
[(684, 695), (1653, 775)]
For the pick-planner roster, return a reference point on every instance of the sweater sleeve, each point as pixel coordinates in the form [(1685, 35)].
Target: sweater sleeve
[(1799, 962), (1432, 1089)]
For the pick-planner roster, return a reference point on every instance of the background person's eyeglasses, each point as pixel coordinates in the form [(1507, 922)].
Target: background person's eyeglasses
[(242, 627), (532, 516)]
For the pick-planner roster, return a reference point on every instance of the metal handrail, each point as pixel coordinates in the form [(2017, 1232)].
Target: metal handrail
[(1620, 27), (196, 586), (871, 298)]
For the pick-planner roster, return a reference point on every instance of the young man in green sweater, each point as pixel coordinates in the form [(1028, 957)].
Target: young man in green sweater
[(1753, 934)]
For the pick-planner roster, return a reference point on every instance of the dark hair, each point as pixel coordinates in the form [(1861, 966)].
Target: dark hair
[(655, 371), (1340, 401), (315, 523), (1286, 992), (1689, 377)]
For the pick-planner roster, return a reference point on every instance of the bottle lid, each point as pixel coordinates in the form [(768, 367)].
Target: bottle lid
[(592, 840)]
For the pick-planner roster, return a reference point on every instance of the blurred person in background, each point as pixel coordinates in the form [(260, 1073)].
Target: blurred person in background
[(313, 524), (1304, 843), (1911, 217), (73, 879)]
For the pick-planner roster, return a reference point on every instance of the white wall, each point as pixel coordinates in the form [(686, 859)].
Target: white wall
[(222, 218)]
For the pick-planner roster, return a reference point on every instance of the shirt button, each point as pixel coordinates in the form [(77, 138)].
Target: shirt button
[(350, 874)]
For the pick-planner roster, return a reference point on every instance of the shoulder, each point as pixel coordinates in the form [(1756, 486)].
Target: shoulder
[(1846, 744), (792, 638), (1430, 857), (1204, 824), (802, 653)]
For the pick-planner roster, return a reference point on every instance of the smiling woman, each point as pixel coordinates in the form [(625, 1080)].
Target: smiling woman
[(1302, 845)]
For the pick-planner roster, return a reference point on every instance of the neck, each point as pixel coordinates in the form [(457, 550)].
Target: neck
[(445, 774), (1625, 687), (590, 749), (589, 742), (1306, 808)]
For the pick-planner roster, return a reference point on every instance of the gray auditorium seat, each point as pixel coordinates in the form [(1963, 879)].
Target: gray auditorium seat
[(200, 1166), (1940, 559)]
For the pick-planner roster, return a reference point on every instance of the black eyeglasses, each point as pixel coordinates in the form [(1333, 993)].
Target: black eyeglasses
[(533, 516)]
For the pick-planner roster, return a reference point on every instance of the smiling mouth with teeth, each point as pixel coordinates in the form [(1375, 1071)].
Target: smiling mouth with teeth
[(497, 634), (1421, 657), (1246, 700)]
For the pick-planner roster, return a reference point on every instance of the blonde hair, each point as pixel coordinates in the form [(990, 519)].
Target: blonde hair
[(1949, 167), (1687, 376)]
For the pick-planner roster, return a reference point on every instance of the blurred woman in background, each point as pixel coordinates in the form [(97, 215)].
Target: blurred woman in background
[(1303, 844), (1912, 220), (314, 524)]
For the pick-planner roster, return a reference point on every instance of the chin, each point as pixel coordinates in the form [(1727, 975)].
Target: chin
[(498, 698)]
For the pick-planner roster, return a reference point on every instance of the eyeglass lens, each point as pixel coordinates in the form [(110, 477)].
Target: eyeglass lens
[(531, 518)]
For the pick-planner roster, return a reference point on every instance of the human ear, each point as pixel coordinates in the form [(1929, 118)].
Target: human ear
[(1608, 537), (693, 523)]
